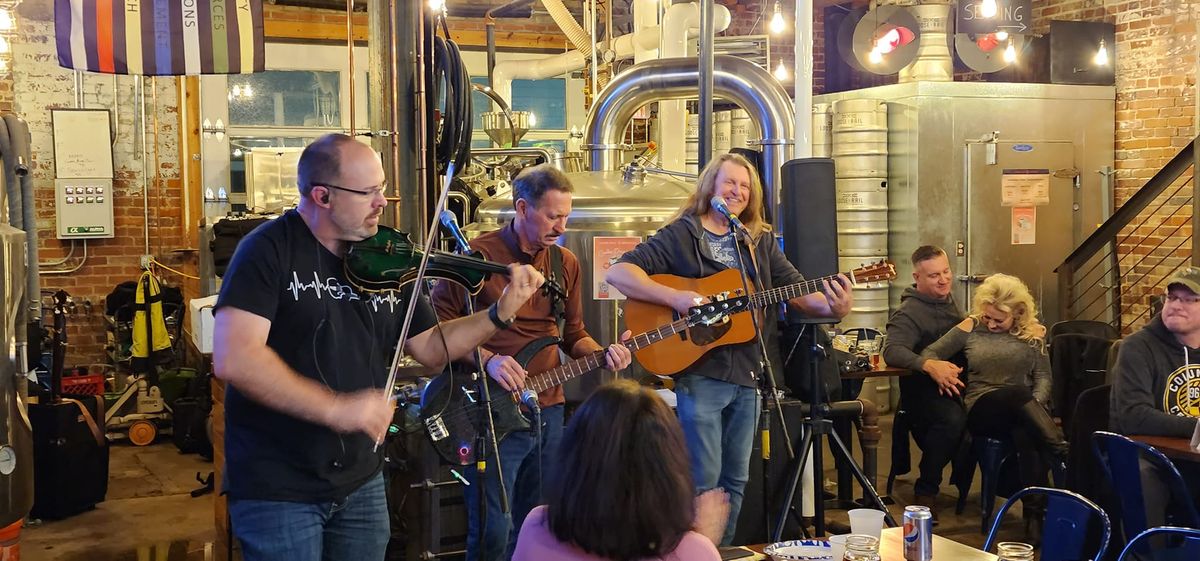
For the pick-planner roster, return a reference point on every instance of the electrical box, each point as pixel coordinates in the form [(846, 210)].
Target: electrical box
[(83, 208)]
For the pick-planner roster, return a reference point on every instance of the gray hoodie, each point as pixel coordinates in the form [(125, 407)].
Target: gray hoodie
[(919, 321), (1157, 388)]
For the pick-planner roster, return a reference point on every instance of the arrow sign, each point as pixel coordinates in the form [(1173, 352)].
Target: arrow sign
[(1011, 15)]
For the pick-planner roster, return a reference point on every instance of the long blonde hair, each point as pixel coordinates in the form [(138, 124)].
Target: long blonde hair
[(697, 204), (1008, 294)]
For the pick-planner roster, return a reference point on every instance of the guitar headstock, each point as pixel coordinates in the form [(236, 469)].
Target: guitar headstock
[(717, 310), (883, 270)]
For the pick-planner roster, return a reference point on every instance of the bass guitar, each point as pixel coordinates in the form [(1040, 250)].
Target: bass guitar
[(451, 406), (724, 289)]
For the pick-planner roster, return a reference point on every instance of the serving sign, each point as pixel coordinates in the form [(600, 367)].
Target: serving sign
[(1013, 16)]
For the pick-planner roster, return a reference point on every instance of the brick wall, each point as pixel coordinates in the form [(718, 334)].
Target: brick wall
[(1155, 57), (39, 85), (750, 17)]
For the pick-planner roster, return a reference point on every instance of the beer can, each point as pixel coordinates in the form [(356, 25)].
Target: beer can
[(918, 533)]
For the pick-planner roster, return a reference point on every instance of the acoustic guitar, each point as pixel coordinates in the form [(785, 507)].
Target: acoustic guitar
[(725, 291), (451, 407)]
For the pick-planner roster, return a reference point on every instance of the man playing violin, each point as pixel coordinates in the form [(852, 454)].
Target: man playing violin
[(306, 358), (542, 200)]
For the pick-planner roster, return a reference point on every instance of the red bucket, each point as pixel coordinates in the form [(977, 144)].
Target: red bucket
[(10, 542)]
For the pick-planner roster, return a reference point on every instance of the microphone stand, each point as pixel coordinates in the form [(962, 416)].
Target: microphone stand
[(764, 422), (487, 436)]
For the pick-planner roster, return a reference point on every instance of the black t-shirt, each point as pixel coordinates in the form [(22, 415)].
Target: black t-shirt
[(323, 328)]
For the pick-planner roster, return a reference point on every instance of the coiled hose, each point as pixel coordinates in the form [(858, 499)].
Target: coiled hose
[(452, 93)]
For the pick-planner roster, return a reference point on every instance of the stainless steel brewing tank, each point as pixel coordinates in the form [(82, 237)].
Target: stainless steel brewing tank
[(16, 434), (603, 205)]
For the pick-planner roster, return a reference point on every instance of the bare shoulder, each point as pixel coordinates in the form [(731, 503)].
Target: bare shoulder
[(966, 324)]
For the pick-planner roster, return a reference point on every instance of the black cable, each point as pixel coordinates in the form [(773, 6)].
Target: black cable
[(451, 90)]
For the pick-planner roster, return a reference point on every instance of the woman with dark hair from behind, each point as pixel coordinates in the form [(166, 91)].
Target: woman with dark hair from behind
[(623, 490)]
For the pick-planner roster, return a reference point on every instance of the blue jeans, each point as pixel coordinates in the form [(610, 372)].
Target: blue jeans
[(354, 529), (718, 421), (523, 476)]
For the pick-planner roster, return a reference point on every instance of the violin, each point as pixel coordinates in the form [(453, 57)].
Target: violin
[(389, 260)]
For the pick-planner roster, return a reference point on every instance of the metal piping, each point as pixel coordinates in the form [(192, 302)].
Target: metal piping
[(350, 57), (707, 38), (141, 82), (20, 142), (735, 79)]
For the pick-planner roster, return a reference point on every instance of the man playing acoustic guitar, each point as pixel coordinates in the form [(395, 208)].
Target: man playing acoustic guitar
[(717, 395), (542, 199)]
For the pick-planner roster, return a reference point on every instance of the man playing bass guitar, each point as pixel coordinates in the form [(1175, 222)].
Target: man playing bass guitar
[(542, 200), (717, 396)]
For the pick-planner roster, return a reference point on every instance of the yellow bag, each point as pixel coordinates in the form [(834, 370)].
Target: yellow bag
[(149, 332)]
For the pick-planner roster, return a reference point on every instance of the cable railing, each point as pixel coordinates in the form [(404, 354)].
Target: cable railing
[(1116, 274)]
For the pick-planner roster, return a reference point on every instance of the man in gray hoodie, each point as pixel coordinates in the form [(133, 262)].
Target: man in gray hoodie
[(930, 395), (1157, 388)]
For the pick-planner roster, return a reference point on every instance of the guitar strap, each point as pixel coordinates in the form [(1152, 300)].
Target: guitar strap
[(557, 292)]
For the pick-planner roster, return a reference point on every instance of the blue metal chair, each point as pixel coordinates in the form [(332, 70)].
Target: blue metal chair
[(1068, 531), (1122, 459), (1186, 544), (993, 453)]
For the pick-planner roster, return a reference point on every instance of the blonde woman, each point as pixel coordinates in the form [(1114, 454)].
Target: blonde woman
[(1008, 374)]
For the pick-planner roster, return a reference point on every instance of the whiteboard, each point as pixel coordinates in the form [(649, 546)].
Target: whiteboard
[(82, 143)]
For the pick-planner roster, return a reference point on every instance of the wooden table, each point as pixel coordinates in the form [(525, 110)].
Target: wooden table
[(891, 548), (877, 373), (1174, 447)]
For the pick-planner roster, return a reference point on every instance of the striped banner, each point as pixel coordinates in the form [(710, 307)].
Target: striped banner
[(160, 37)]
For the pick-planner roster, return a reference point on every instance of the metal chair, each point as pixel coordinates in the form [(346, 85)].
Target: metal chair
[(1068, 530), (1123, 459), (1187, 545)]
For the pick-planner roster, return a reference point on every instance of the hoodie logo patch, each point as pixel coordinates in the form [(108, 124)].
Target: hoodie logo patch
[(1182, 397)]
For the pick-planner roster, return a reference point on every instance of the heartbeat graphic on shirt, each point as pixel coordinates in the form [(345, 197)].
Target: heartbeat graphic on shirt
[(333, 288)]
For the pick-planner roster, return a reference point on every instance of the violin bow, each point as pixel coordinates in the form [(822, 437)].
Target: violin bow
[(430, 236)]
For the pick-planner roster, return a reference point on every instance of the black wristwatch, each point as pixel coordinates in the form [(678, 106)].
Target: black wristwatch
[(494, 315)]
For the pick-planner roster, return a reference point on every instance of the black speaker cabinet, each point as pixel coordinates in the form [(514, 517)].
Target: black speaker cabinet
[(751, 526), (70, 468)]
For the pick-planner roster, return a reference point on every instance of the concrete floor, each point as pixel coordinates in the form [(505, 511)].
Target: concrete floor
[(149, 514)]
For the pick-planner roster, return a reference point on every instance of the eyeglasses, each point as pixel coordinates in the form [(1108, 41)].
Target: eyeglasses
[(1175, 298), (367, 193)]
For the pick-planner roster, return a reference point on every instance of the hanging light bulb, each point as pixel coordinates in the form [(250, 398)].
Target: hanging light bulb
[(778, 24), (6, 21), (437, 5), (1010, 53), (781, 72), (237, 91), (532, 120), (988, 8), (3, 45), (247, 91), (1101, 58), (875, 56), (1001, 35)]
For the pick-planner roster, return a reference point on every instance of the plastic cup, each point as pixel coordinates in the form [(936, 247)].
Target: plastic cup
[(866, 521), (837, 546)]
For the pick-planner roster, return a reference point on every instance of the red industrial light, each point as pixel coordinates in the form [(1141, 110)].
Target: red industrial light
[(893, 38)]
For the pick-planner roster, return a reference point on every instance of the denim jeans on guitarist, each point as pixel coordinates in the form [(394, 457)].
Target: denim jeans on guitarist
[(523, 474), (355, 528), (718, 421)]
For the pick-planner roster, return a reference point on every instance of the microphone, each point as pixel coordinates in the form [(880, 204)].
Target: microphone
[(450, 222), (719, 204), (530, 400)]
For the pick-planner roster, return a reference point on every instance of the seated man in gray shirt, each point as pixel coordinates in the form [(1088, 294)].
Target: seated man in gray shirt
[(930, 396), (1157, 388)]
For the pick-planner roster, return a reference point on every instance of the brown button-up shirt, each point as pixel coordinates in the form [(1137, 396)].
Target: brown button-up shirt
[(535, 319)]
